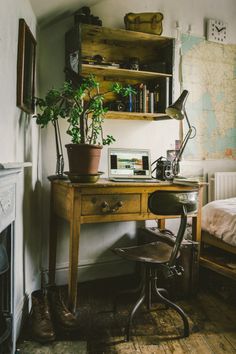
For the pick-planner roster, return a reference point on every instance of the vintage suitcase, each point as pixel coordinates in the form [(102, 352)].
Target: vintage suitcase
[(184, 286), (148, 22)]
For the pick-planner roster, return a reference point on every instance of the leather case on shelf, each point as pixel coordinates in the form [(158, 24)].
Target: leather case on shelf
[(148, 22)]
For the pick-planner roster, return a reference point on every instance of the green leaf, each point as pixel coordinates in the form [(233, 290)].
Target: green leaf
[(74, 103)]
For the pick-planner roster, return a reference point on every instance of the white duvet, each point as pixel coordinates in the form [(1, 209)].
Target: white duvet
[(219, 219)]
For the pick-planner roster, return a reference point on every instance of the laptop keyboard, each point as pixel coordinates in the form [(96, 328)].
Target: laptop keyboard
[(153, 180)]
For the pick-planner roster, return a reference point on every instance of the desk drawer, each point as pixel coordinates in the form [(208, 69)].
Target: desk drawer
[(111, 204)]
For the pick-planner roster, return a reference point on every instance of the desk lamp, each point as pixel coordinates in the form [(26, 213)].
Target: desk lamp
[(177, 111)]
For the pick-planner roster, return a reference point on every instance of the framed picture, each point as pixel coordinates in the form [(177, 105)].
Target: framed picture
[(25, 68)]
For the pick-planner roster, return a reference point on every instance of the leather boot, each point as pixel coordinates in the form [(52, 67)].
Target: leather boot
[(40, 319), (63, 319)]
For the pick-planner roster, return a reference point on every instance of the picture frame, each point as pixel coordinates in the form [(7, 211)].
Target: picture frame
[(26, 68)]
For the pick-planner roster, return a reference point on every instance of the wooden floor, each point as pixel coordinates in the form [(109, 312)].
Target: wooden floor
[(212, 320)]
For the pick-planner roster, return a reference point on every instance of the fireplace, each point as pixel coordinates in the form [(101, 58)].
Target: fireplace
[(8, 187), (5, 292)]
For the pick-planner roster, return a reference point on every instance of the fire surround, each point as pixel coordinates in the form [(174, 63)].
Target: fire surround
[(8, 186)]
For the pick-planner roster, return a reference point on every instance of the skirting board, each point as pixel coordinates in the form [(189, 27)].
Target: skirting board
[(23, 307), (94, 271), (86, 272), (20, 316)]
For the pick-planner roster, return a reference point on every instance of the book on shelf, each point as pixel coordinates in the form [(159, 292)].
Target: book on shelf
[(151, 102), (140, 95), (144, 97), (130, 103), (165, 97)]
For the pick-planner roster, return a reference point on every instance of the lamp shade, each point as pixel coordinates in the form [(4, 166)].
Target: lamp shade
[(177, 109)]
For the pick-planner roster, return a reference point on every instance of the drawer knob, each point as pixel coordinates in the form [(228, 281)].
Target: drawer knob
[(106, 208), (117, 206)]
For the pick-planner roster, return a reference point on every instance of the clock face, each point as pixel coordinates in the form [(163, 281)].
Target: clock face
[(216, 31)]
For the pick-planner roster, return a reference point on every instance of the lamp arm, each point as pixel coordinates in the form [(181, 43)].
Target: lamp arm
[(186, 117), (182, 146), (175, 162), (177, 111)]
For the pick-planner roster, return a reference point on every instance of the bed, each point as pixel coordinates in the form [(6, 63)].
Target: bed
[(219, 225)]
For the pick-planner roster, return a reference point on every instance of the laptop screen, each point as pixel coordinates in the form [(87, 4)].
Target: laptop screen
[(129, 163)]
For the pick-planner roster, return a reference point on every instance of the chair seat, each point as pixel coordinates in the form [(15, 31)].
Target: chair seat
[(154, 252)]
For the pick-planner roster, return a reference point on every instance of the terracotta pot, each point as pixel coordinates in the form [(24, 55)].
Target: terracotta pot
[(83, 158)]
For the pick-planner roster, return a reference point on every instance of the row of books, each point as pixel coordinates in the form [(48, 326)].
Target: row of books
[(149, 99), (144, 100)]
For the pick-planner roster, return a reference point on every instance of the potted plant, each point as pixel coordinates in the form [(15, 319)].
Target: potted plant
[(83, 108)]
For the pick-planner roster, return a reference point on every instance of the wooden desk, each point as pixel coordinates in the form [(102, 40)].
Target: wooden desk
[(104, 201)]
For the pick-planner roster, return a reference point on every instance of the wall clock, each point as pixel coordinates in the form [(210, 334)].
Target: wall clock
[(216, 31)]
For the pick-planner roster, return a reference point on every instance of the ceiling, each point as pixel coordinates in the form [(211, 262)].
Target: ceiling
[(48, 11)]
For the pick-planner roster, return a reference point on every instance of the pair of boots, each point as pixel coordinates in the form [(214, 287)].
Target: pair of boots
[(49, 314)]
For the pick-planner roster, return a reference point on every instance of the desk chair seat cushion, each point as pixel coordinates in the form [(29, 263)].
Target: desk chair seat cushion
[(154, 252)]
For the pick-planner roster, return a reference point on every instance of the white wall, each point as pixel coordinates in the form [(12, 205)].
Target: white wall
[(157, 136), (19, 142), (186, 12)]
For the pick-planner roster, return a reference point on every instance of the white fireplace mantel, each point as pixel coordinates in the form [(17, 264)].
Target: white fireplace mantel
[(8, 178), (9, 183), (7, 168)]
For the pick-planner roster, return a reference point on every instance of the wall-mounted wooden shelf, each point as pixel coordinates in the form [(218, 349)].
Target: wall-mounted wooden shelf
[(118, 46), (136, 116), (99, 70), (98, 33)]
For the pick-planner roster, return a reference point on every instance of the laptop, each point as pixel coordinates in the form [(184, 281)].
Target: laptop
[(129, 165)]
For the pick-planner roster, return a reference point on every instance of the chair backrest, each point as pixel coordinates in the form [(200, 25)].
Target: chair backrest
[(174, 203)]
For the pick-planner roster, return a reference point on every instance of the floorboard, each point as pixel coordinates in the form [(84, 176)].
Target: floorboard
[(211, 317)]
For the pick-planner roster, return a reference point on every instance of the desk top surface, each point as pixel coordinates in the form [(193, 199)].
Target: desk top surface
[(103, 182)]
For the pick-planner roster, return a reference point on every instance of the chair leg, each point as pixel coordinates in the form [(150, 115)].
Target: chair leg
[(176, 308), (151, 283), (134, 310), (165, 293), (149, 287), (161, 290)]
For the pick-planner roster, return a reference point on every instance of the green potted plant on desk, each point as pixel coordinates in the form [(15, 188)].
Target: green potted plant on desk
[(83, 108)]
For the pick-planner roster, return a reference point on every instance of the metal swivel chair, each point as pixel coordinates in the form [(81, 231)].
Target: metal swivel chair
[(159, 256)]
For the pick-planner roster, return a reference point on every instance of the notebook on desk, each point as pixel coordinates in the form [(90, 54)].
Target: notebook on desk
[(129, 165)]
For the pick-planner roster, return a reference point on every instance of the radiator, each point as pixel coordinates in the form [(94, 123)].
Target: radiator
[(222, 186)]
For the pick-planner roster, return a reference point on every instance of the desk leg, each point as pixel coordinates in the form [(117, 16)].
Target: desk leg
[(73, 265), (197, 220), (52, 243), (74, 253), (161, 224), (196, 228)]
